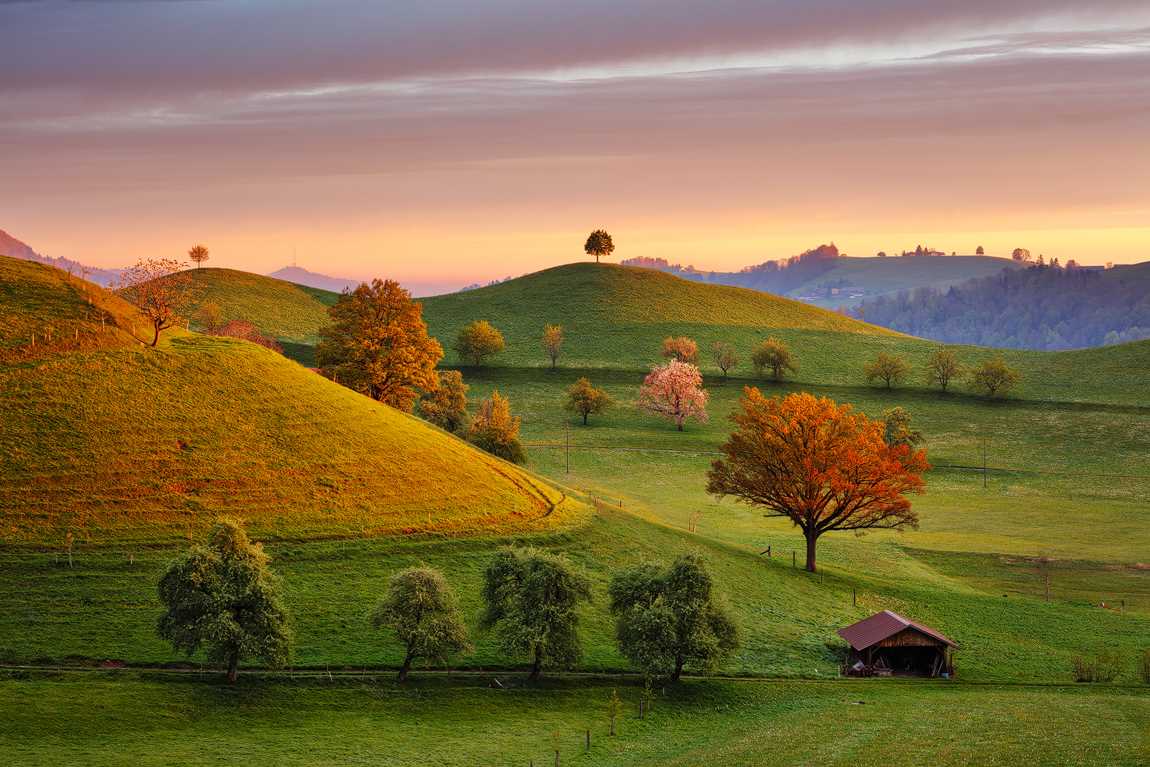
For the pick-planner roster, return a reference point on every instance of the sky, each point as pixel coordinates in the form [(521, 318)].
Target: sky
[(443, 142)]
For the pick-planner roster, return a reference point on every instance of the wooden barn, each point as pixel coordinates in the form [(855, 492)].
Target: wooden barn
[(888, 644)]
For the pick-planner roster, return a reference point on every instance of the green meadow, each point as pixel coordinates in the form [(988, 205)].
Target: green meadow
[(1033, 546)]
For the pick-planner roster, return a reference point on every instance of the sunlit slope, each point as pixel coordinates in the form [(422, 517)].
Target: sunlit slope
[(146, 444), (879, 276), (280, 309), (616, 317), (44, 310)]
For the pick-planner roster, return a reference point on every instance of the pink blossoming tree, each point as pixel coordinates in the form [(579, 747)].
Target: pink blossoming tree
[(674, 391)]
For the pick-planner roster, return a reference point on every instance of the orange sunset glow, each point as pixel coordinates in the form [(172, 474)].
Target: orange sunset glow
[(443, 147)]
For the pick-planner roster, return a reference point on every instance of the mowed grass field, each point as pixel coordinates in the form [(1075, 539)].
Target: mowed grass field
[(159, 720)]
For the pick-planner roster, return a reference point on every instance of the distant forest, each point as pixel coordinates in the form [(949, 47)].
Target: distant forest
[(778, 277), (1040, 307)]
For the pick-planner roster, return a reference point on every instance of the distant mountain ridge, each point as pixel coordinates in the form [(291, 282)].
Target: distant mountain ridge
[(301, 276), (825, 277), (14, 248), (1042, 307)]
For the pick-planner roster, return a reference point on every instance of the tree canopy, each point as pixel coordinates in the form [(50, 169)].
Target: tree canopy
[(531, 598), (775, 356), (422, 610), (724, 357), (682, 348), (160, 290), (943, 368), (198, 254), (668, 619), (478, 341), (888, 368), (224, 598), (553, 343), (675, 392), (598, 244), (819, 464), (377, 344), (446, 407), (584, 399), (495, 430), (994, 378)]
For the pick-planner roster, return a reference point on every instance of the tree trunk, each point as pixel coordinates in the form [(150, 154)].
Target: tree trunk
[(537, 664), (812, 539), (406, 667), (584, 419), (678, 669), (679, 424), (155, 334), (233, 666)]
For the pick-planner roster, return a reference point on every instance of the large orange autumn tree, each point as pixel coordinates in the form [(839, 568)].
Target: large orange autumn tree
[(819, 464)]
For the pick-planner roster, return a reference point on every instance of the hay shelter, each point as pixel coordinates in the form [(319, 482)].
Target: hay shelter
[(887, 644)]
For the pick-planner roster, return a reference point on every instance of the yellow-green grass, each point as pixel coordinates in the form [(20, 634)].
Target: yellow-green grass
[(157, 719), (44, 310), (283, 310), (616, 317), (138, 443)]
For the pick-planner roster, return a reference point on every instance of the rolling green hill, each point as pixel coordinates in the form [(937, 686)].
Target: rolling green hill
[(282, 310), (616, 317), (132, 443)]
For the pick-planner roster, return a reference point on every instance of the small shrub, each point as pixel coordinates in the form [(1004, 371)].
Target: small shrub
[(1103, 667)]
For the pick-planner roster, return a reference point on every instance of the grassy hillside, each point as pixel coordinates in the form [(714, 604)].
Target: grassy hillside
[(280, 309), (135, 443), (616, 317)]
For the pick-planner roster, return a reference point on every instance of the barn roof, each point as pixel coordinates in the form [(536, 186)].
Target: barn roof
[(880, 626)]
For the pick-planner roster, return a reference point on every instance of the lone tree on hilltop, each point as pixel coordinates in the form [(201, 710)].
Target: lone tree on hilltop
[(775, 356), (675, 392), (478, 341), (1021, 254), (223, 597), (377, 344), (422, 611), (819, 464), (160, 290), (724, 357), (888, 368), (495, 430), (599, 244), (942, 368), (584, 399), (682, 348), (198, 254), (553, 343), (980, 251), (531, 598), (665, 620), (446, 407), (994, 378)]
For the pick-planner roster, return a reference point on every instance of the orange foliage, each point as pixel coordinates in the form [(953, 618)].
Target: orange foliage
[(682, 349), (819, 464)]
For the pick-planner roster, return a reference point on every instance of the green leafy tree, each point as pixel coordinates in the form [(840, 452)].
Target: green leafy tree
[(584, 399), (888, 368), (942, 368), (897, 430), (421, 609), (377, 344), (994, 378), (224, 598), (668, 619), (598, 244), (725, 357), (531, 598), (478, 341), (446, 407), (775, 356), (495, 430)]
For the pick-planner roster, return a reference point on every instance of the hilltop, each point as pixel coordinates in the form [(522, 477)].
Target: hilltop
[(128, 443), (280, 309), (14, 248)]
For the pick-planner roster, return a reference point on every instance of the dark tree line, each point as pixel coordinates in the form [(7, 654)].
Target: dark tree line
[(1041, 307)]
